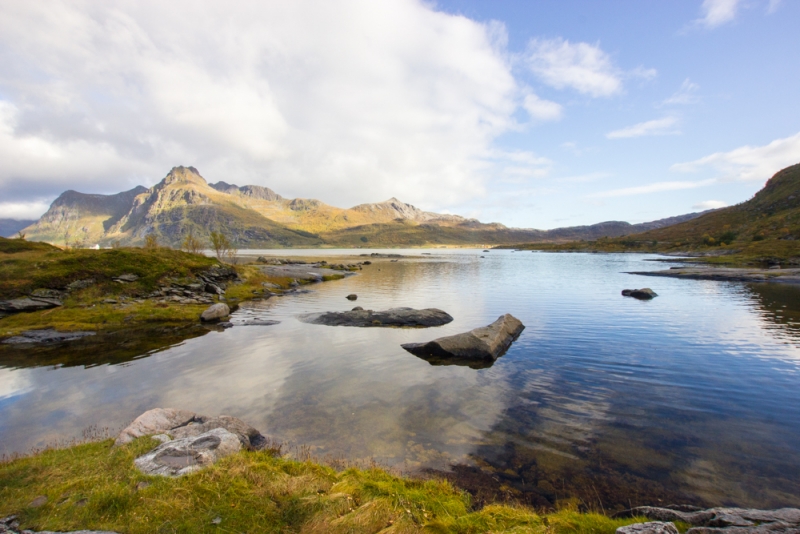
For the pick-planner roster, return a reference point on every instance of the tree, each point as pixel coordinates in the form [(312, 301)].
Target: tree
[(222, 247), (151, 241), (191, 243), (21, 235)]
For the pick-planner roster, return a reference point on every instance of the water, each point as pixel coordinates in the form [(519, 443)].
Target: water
[(691, 397)]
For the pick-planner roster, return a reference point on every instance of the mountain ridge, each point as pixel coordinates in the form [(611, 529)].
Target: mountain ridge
[(184, 202)]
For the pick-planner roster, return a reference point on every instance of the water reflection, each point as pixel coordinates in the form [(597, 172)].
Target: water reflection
[(690, 397)]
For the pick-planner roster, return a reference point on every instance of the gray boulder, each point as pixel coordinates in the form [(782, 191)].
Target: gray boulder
[(183, 424), (28, 304), (47, 335), (642, 294), (408, 317), (215, 312), (485, 343), (185, 455), (652, 527)]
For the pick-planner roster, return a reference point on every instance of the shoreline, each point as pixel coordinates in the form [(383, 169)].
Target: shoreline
[(728, 274)]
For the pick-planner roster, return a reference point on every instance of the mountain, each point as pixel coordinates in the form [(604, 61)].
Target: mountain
[(765, 227), (10, 227), (257, 217)]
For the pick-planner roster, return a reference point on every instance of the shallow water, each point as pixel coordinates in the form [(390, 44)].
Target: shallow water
[(690, 397)]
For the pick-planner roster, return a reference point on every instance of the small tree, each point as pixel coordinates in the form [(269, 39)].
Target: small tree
[(21, 235), (222, 246), (151, 241), (191, 243)]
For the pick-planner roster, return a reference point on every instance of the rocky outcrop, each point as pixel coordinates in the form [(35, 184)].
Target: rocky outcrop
[(185, 455), (481, 344), (725, 520), (215, 312), (10, 525), (651, 527), (729, 274), (407, 317), (28, 304), (184, 424), (47, 335)]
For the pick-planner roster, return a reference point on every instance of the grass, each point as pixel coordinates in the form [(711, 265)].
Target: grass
[(95, 486)]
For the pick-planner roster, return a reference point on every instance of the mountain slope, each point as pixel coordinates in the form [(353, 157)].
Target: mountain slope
[(766, 226), (10, 227)]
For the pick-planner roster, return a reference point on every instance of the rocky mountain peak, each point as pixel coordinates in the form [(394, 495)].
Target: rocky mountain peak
[(184, 174)]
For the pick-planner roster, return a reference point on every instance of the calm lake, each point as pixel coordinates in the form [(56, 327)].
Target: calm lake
[(693, 397)]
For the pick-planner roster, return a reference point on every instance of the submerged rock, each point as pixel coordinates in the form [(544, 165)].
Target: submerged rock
[(185, 455), (215, 312), (392, 317), (486, 343), (642, 294), (183, 423), (47, 335)]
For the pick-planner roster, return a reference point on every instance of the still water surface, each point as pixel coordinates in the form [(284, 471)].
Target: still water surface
[(691, 397)]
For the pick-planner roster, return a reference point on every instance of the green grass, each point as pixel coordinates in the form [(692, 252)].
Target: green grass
[(95, 486)]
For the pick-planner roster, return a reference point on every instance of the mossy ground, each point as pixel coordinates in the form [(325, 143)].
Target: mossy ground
[(95, 486)]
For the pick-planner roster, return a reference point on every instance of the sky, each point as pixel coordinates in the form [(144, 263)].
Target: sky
[(532, 114)]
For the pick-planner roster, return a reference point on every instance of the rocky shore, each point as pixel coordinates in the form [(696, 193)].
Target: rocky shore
[(729, 274)]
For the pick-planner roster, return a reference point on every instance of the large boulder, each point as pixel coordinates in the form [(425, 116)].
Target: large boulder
[(185, 455), (486, 343), (392, 317), (183, 424), (215, 312)]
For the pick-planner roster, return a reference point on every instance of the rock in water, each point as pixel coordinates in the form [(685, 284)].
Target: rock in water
[(215, 312), (725, 520), (351, 296), (185, 455), (485, 343), (392, 317), (651, 527), (642, 294), (183, 424)]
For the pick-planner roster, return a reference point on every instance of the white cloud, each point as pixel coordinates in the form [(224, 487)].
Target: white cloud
[(684, 95), (655, 127), (747, 162), (540, 109), (331, 100), (709, 205), (656, 187), (580, 66), (718, 12), (23, 210)]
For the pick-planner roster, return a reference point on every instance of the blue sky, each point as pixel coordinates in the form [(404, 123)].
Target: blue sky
[(533, 114)]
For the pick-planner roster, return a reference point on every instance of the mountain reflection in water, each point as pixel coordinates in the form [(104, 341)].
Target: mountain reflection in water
[(691, 397)]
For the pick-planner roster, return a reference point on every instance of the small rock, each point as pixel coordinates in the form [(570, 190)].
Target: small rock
[(41, 500), (357, 308), (28, 304), (407, 317), (216, 521), (80, 284), (142, 485), (127, 277), (225, 324), (215, 312), (259, 322), (352, 296), (47, 335), (642, 294), (652, 527)]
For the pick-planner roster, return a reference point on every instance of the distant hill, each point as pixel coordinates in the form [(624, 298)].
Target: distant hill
[(766, 226), (10, 227), (258, 217)]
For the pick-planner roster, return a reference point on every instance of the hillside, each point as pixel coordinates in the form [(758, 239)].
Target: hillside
[(764, 228), (258, 217)]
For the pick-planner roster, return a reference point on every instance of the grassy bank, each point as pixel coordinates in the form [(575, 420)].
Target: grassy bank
[(105, 304), (95, 486)]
